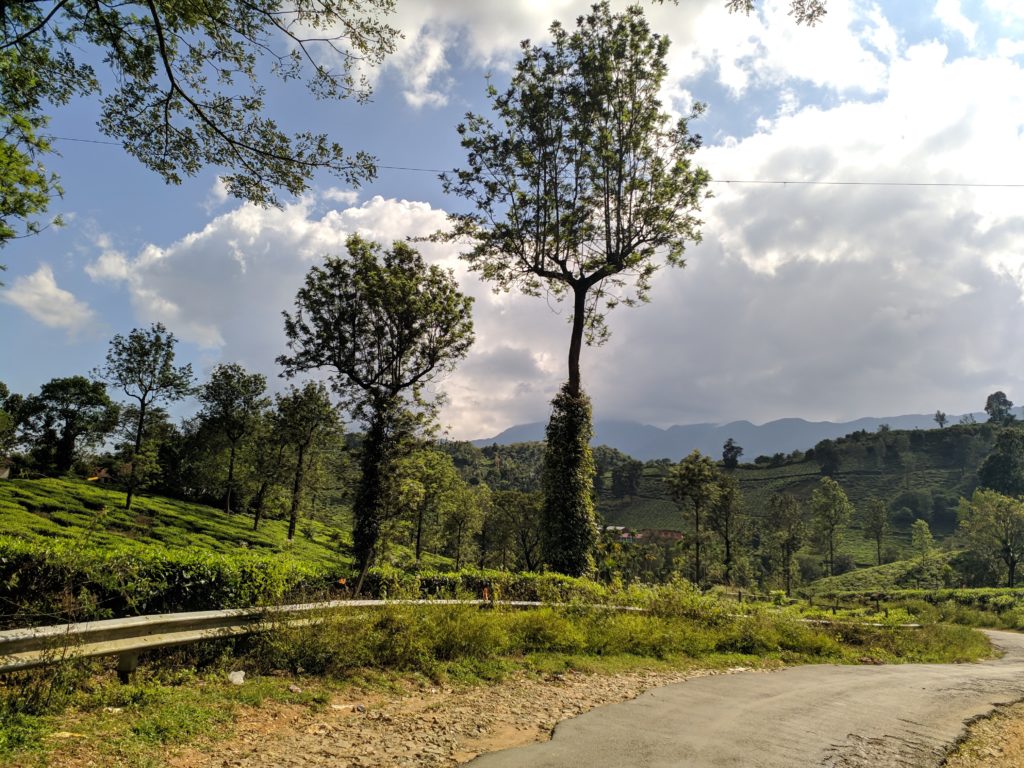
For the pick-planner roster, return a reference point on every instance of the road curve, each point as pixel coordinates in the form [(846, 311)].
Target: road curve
[(822, 715)]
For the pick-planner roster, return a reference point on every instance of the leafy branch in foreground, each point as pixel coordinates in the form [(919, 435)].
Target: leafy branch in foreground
[(185, 87)]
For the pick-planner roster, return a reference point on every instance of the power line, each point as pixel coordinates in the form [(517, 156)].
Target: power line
[(774, 182)]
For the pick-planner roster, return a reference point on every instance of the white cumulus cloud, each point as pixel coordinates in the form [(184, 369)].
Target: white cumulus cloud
[(39, 295)]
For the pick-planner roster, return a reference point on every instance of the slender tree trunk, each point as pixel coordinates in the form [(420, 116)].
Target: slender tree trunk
[(419, 533), (728, 558), (1011, 567), (878, 547), (579, 313), (231, 478), (293, 518), (831, 554), (458, 548), (696, 545), (133, 474), (258, 502), (787, 564)]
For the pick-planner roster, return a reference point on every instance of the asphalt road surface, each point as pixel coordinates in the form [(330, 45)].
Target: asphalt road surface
[(830, 716)]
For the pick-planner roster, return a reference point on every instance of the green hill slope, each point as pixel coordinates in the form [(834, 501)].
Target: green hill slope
[(80, 511)]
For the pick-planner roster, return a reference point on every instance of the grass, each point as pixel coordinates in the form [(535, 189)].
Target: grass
[(63, 508), (168, 704)]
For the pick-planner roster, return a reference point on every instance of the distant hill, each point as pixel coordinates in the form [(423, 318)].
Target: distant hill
[(644, 442)]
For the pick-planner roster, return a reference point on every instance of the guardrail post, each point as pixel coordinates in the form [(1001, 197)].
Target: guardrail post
[(126, 664)]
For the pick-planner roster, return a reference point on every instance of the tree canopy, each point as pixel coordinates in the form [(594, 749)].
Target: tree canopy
[(999, 408), (67, 414), (180, 86), (993, 525), (232, 400), (141, 365), (388, 325), (582, 185)]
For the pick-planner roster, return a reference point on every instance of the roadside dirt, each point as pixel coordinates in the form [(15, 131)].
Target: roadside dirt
[(425, 728), (993, 742)]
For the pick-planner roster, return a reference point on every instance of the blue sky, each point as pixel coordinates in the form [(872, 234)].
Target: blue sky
[(826, 302)]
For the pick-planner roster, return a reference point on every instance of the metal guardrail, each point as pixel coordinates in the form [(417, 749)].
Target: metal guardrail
[(126, 638)]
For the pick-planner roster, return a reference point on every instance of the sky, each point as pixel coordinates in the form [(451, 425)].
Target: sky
[(894, 288)]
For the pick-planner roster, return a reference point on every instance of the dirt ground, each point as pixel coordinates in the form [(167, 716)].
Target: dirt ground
[(993, 742), (425, 728)]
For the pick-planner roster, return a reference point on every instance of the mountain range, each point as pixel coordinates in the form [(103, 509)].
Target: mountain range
[(646, 442)]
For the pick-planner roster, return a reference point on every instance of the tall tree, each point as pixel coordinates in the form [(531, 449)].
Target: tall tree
[(303, 415), (626, 478), (1003, 469), (999, 408), (940, 419), (519, 513), (186, 87), (876, 524), (266, 460), (731, 453), (787, 530), (141, 365), (432, 491), (831, 511), (581, 187), (993, 525), (232, 400), (388, 325), (695, 484), (921, 540), (9, 405), (725, 517), (463, 522), (66, 415)]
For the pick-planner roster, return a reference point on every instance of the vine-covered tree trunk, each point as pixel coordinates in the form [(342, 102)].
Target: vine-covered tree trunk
[(569, 531), (366, 507)]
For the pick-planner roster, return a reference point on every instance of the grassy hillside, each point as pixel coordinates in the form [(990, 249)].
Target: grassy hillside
[(77, 510), (918, 473)]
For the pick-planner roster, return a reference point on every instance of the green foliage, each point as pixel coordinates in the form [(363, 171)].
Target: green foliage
[(999, 408), (88, 517), (67, 415), (48, 580), (808, 12), (831, 511), (993, 526), (921, 538), (695, 484), (1003, 469), (303, 417), (582, 183), (232, 401), (511, 532), (141, 365), (388, 325), (933, 572), (569, 531), (165, 105)]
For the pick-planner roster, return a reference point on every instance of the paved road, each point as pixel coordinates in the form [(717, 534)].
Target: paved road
[(826, 716)]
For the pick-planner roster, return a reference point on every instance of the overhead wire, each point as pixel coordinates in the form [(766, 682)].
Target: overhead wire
[(774, 182)]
